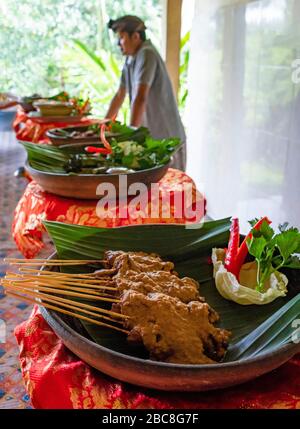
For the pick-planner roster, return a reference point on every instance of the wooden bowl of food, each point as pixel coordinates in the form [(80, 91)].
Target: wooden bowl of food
[(54, 108), (77, 170), (85, 134), (150, 313), (110, 354), (84, 186)]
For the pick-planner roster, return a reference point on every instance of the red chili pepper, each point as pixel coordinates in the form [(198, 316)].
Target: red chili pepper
[(103, 139), (233, 247), (243, 250), (93, 149)]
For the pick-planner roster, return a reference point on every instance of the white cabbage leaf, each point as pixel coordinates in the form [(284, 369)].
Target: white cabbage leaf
[(244, 293)]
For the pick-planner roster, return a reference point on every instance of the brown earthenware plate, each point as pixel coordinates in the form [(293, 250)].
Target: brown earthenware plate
[(68, 119), (159, 375), (58, 139), (84, 186)]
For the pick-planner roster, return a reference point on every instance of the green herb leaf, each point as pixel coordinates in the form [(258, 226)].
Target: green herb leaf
[(253, 222), (132, 148), (256, 246), (266, 231), (273, 251), (288, 242)]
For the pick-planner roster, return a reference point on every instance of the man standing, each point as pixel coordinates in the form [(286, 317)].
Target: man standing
[(145, 79)]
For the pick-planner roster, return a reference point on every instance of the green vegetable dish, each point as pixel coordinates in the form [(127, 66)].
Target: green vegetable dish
[(121, 149)]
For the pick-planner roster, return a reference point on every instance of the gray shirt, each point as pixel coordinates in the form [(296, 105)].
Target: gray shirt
[(161, 115)]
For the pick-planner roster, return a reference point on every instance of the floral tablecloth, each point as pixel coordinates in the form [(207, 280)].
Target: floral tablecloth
[(37, 205)]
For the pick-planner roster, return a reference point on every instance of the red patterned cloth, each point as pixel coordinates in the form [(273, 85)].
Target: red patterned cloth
[(37, 205), (55, 378), (33, 130)]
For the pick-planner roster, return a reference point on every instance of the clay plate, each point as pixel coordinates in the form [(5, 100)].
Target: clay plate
[(164, 376), (160, 375), (84, 186)]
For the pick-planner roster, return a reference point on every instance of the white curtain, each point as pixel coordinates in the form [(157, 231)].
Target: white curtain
[(243, 114)]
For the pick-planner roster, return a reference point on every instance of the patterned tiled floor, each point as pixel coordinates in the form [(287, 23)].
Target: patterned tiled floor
[(12, 312)]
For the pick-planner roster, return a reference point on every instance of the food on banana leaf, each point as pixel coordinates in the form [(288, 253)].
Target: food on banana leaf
[(54, 108), (61, 104), (114, 129), (259, 281), (113, 155), (165, 312)]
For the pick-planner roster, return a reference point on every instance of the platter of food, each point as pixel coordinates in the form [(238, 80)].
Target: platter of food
[(84, 186), (42, 119), (144, 306), (159, 375), (76, 170), (78, 134), (53, 109), (91, 134)]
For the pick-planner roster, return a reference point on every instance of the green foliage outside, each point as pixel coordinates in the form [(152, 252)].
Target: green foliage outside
[(53, 45), (50, 45), (183, 71)]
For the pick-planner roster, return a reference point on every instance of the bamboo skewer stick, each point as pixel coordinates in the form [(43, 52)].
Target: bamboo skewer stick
[(49, 279), (87, 277), (90, 307), (77, 306), (76, 303), (58, 273), (60, 291), (50, 263), (57, 261), (29, 284), (69, 313), (52, 286)]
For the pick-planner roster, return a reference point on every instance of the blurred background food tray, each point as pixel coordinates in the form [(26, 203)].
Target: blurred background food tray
[(49, 119), (76, 135)]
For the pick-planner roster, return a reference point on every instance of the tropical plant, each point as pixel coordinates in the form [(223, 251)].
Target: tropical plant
[(95, 74), (183, 70), (34, 35)]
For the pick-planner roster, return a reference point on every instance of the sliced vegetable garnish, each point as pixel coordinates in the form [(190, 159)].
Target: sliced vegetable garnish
[(243, 250), (103, 139), (233, 248), (271, 251), (94, 149)]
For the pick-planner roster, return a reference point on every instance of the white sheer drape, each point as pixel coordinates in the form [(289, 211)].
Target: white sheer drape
[(243, 116)]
